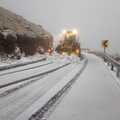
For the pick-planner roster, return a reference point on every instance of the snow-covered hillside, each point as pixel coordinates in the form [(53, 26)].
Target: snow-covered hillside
[(15, 31)]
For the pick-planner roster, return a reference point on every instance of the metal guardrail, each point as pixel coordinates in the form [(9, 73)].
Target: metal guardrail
[(109, 60)]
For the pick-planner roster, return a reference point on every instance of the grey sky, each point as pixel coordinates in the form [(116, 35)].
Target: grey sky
[(94, 19)]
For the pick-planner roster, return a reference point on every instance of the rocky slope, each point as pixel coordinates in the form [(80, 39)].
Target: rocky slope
[(17, 32)]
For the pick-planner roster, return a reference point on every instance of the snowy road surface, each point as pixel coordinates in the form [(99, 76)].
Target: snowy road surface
[(12, 105), (23, 74), (94, 96)]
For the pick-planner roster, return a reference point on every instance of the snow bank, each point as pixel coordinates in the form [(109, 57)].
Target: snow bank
[(32, 58), (7, 61), (64, 57), (54, 57)]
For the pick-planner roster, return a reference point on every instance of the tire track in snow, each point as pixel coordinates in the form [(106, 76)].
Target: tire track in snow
[(20, 64), (20, 86), (43, 110), (34, 79), (26, 69)]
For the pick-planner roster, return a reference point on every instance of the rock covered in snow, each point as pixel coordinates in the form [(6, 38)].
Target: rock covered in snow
[(8, 40), (26, 35)]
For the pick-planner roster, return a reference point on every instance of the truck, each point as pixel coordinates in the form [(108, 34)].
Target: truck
[(69, 43)]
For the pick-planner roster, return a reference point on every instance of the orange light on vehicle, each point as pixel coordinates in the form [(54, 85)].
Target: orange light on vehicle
[(77, 51), (49, 50)]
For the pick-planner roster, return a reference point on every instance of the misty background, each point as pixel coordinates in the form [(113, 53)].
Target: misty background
[(95, 20)]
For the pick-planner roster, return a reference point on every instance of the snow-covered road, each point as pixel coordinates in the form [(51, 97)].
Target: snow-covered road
[(12, 105), (29, 72), (94, 96)]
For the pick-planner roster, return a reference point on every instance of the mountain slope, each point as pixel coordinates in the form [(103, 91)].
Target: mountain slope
[(15, 31)]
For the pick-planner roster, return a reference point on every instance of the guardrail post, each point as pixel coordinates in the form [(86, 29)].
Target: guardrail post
[(104, 60), (118, 71), (112, 67)]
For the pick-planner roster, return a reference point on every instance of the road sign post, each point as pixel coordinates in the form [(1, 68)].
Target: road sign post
[(104, 49), (104, 44)]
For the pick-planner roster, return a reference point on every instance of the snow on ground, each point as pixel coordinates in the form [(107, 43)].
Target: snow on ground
[(23, 74), (14, 104), (23, 59), (57, 59), (64, 57), (54, 57), (49, 94), (113, 73), (94, 96)]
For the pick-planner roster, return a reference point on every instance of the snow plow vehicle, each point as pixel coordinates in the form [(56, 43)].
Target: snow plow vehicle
[(69, 43)]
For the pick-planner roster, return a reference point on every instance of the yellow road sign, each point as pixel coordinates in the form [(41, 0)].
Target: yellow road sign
[(104, 43)]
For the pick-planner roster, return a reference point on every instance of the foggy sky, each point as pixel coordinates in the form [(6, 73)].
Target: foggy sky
[(95, 20)]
